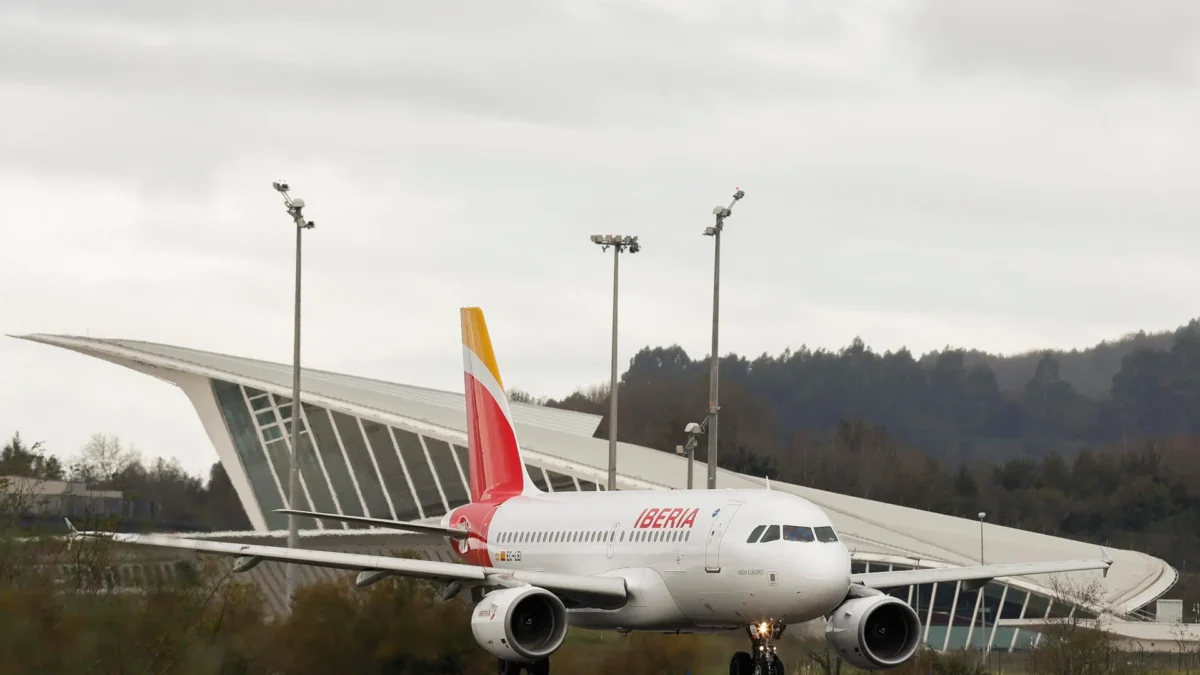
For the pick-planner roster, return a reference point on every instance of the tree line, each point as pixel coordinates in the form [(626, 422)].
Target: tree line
[(171, 498), (950, 403)]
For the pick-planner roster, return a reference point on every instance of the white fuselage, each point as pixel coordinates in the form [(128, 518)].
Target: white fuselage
[(684, 554)]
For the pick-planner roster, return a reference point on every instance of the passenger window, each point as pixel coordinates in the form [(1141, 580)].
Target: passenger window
[(826, 535), (772, 534), (797, 533), (755, 534), (622, 531)]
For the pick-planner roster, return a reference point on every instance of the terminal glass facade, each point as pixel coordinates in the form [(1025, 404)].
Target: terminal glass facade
[(954, 616), (350, 465)]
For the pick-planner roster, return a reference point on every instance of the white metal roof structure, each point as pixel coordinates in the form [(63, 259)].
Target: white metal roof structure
[(397, 451)]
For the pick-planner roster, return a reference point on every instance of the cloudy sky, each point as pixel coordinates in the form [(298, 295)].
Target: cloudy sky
[(1002, 175)]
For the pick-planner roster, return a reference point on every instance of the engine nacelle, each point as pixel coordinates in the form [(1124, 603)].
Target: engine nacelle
[(874, 633), (521, 624)]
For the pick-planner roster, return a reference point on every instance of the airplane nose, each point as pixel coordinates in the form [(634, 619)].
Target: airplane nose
[(832, 568), (833, 563), (825, 577)]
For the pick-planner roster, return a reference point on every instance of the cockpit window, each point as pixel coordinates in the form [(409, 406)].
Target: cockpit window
[(755, 534), (772, 534), (797, 533), (826, 535)]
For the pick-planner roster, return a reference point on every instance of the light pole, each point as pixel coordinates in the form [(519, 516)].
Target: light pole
[(693, 430), (983, 600), (619, 243), (721, 212), (295, 208)]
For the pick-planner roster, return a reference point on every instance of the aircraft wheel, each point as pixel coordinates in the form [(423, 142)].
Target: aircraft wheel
[(509, 668), (741, 664), (541, 667), (776, 667)]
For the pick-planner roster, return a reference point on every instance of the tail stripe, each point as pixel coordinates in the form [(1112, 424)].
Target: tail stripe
[(486, 377), (479, 342), (496, 468)]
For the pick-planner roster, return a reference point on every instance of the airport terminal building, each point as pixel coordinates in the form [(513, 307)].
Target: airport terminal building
[(395, 451)]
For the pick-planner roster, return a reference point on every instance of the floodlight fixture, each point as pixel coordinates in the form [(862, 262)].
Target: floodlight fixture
[(619, 241), (295, 207)]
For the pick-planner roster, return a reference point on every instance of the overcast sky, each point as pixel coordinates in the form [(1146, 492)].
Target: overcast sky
[(1001, 175)]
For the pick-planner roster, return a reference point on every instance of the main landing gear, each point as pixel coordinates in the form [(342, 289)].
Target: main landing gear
[(761, 659), (540, 667)]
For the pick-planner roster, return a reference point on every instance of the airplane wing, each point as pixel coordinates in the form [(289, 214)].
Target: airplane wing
[(422, 528), (979, 573), (600, 592)]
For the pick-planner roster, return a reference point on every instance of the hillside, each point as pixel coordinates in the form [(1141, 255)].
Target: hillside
[(1089, 370), (954, 405)]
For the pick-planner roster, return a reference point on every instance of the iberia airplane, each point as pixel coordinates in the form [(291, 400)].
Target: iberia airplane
[(682, 561)]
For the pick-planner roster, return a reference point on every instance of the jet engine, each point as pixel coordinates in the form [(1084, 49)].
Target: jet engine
[(521, 624), (874, 632)]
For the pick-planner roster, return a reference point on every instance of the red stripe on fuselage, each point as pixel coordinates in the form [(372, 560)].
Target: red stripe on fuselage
[(494, 459)]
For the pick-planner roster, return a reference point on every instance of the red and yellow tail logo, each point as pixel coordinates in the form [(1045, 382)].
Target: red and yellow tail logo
[(497, 471)]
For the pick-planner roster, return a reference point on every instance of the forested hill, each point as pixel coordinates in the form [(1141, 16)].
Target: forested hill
[(1089, 370), (951, 405)]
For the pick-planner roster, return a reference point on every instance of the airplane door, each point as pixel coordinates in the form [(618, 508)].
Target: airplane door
[(712, 549), (612, 538)]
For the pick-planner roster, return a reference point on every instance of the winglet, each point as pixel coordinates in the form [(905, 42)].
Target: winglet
[(497, 470), (1106, 558), (72, 533)]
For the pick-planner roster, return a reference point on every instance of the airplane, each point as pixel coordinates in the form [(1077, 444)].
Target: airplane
[(681, 561)]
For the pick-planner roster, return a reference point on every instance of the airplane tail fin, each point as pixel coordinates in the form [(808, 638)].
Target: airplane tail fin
[(496, 468)]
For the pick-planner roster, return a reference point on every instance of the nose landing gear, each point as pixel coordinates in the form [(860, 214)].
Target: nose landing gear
[(762, 658)]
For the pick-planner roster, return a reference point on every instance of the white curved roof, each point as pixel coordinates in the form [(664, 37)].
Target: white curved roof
[(557, 438)]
